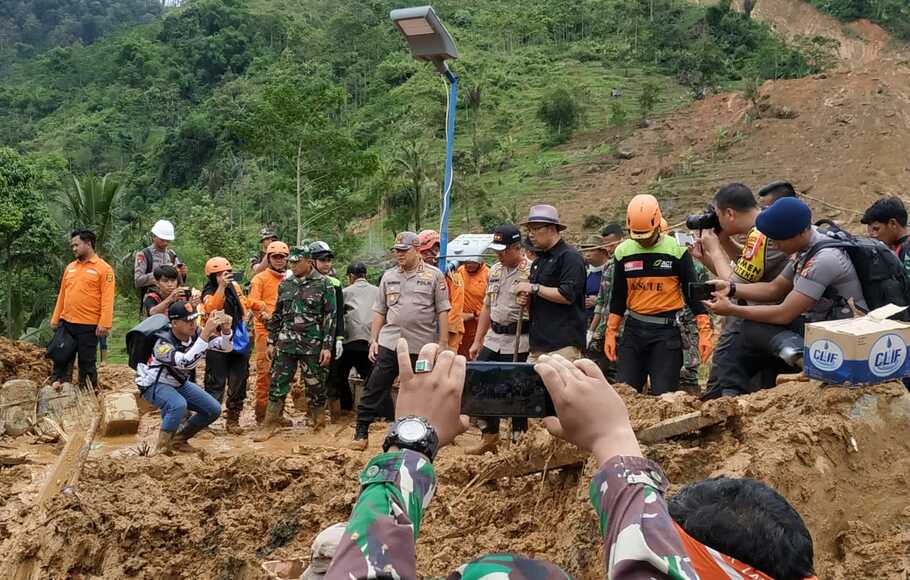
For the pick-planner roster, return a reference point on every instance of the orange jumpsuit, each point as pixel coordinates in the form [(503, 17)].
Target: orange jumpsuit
[(475, 289), (456, 298), (263, 297)]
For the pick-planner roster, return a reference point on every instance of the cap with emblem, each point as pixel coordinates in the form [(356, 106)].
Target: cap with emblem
[(300, 252), (405, 241), (267, 234), (181, 310), (593, 243), (504, 236), (544, 214)]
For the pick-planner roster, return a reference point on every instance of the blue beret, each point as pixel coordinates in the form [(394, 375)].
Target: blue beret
[(786, 218)]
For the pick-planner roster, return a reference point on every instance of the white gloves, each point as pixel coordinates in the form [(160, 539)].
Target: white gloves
[(339, 348)]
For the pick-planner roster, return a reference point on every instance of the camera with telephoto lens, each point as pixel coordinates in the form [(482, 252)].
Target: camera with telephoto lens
[(704, 221)]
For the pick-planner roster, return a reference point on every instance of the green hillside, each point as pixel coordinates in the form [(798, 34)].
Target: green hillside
[(201, 116)]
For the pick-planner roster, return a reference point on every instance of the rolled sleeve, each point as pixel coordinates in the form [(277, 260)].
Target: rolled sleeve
[(381, 306), (820, 272)]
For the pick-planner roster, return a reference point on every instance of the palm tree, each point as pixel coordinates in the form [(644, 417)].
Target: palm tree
[(412, 159), (91, 204)]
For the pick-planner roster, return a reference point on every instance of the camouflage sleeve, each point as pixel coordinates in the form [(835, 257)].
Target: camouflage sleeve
[(380, 538), (274, 323), (640, 540), (328, 317)]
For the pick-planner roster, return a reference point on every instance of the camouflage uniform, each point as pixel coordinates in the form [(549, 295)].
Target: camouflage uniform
[(688, 377), (640, 539), (303, 325), (596, 348)]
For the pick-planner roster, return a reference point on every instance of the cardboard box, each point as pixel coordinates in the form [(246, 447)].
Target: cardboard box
[(866, 350)]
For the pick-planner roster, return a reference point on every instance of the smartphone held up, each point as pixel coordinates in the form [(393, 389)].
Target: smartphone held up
[(505, 389)]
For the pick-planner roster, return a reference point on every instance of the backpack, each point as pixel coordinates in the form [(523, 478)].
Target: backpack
[(881, 273), (147, 254), (141, 339)]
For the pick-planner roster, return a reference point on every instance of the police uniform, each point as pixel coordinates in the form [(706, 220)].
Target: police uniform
[(499, 343), (411, 303)]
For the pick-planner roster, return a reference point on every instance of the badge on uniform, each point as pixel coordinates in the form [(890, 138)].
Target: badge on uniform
[(391, 298)]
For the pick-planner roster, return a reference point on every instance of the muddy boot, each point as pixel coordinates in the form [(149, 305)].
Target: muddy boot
[(488, 442), (284, 420), (165, 444), (182, 445), (335, 410), (270, 425), (232, 422), (317, 418), (361, 437)]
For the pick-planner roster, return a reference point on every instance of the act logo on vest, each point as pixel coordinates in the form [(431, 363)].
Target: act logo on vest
[(887, 355), (826, 355)]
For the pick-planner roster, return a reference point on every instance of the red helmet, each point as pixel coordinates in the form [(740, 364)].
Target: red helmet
[(427, 239)]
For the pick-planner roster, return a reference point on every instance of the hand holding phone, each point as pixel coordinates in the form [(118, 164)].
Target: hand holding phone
[(702, 291)]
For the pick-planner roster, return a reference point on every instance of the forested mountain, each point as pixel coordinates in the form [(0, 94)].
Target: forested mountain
[(205, 113), (893, 15)]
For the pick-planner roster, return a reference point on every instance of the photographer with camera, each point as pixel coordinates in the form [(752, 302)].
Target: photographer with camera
[(733, 214), (231, 369), (167, 290)]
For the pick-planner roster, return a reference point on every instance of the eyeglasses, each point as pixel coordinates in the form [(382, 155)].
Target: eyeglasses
[(536, 227)]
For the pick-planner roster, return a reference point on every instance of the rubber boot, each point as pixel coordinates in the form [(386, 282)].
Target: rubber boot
[(270, 425), (488, 442), (232, 422), (165, 444), (361, 437), (317, 418), (335, 410)]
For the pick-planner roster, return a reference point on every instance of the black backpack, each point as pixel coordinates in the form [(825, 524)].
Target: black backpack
[(141, 339), (881, 273)]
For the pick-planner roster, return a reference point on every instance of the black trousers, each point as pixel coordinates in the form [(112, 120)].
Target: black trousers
[(490, 425), (649, 351), (231, 369), (376, 398), (86, 351), (748, 362), (595, 352), (356, 355)]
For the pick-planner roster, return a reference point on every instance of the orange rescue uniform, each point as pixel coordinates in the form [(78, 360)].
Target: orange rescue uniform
[(456, 299), (86, 294), (475, 289), (262, 299)]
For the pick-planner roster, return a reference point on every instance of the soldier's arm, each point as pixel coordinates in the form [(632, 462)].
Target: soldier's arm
[(328, 317), (274, 323), (380, 538), (640, 538)]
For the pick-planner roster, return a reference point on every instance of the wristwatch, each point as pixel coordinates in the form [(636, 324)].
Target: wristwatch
[(535, 288), (414, 433)]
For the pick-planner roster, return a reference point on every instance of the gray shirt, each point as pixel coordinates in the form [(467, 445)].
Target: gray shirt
[(411, 303), (143, 275), (502, 300), (359, 299), (830, 267)]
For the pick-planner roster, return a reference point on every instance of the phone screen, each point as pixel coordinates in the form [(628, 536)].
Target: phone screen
[(701, 291), (684, 239), (505, 389)]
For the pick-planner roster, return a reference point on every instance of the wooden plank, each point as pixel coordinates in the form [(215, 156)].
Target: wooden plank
[(62, 470), (14, 458), (677, 426)]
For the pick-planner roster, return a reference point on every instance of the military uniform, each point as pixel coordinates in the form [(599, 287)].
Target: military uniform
[(688, 376), (640, 539), (302, 326), (595, 350)]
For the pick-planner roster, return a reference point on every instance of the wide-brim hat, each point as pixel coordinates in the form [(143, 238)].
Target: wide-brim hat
[(544, 214)]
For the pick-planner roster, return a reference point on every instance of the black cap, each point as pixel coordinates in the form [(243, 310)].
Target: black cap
[(357, 268), (181, 310), (776, 186), (504, 236)]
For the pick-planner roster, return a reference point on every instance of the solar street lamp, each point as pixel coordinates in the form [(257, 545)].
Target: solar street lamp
[(429, 40)]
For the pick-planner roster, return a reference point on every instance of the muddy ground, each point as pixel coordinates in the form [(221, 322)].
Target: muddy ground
[(841, 456)]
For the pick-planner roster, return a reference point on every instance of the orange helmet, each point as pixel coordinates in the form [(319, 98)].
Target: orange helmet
[(217, 265), (643, 216), (277, 248), (426, 240)]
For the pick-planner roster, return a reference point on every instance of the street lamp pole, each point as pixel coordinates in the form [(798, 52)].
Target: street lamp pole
[(429, 40)]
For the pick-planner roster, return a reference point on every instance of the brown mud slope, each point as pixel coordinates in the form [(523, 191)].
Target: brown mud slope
[(841, 456), (22, 360), (841, 137)]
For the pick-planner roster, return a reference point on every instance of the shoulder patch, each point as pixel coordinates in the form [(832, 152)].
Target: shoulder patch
[(163, 349)]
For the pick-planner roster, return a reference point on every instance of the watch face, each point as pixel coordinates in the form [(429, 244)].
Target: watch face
[(411, 430)]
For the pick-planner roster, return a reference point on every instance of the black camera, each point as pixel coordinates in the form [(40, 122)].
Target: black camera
[(704, 221)]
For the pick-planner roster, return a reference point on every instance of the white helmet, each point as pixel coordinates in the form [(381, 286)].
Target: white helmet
[(163, 229)]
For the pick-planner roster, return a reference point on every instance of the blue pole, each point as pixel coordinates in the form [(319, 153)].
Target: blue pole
[(447, 179)]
